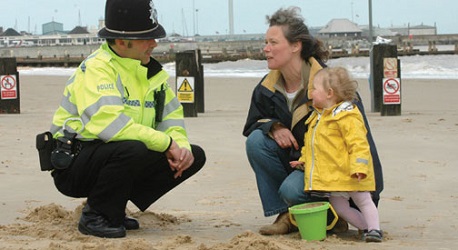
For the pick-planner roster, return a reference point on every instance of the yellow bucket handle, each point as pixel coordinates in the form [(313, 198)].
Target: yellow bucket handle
[(293, 221), (336, 217), (328, 227)]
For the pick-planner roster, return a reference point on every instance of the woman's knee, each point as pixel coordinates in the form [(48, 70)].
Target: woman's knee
[(255, 140), (287, 193), (292, 189), (290, 193), (260, 145)]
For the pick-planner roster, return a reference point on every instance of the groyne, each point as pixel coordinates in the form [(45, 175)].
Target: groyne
[(216, 51)]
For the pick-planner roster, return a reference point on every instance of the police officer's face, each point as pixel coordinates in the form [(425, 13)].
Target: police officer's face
[(140, 49)]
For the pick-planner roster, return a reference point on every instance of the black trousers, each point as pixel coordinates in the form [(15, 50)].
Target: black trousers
[(111, 174)]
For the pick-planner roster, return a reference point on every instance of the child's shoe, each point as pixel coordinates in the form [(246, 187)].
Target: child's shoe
[(373, 236)]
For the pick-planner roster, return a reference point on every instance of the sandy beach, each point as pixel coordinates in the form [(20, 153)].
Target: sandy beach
[(219, 208)]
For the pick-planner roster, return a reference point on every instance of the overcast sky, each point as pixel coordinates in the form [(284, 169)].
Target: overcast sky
[(207, 17)]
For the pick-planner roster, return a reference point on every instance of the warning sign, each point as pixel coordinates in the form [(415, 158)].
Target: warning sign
[(391, 91), (185, 90), (8, 87), (390, 67)]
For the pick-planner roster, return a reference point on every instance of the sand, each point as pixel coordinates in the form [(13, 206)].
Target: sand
[(219, 208)]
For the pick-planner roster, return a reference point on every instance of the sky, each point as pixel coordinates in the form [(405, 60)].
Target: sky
[(210, 17)]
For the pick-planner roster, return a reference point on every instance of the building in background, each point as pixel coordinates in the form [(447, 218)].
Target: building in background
[(338, 33), (340, 28), (10, 32), (53, 28), (415, 30)]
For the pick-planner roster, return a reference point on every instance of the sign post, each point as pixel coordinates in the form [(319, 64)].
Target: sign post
[(189, 82), (186, 89), (385, 80), (9, 86)]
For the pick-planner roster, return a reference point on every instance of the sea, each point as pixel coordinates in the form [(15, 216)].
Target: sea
[(412, 67)]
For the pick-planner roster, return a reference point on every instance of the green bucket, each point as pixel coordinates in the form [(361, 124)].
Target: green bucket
[(311, 219)]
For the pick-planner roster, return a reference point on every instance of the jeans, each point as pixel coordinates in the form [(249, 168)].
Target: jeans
[(279, 185)]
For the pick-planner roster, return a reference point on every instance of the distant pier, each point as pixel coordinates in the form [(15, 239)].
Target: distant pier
[(217, 51), (213, 58)]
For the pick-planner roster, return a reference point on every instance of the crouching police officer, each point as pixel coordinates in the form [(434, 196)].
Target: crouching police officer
[(125, 122)]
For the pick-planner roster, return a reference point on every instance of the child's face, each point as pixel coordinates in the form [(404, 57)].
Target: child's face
[(319, 94)]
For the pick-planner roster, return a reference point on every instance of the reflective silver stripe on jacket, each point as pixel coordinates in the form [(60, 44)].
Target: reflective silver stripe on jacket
[(164, 125), (363, 161), (69, 106), (117, 125), (173, 105)]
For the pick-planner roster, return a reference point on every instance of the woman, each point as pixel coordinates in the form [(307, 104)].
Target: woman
[(275, 125)]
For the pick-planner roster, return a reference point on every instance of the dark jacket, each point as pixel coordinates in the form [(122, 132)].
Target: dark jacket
[(269, 105)]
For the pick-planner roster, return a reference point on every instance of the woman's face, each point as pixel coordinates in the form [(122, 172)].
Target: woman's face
[(279, 52)]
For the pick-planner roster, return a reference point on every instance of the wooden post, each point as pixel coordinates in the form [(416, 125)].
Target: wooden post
[(391, 104), (200, 93), (189, 82), (9, 86), (385, 80)]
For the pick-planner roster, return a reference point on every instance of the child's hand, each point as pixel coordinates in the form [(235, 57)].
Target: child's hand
[(297, 164), (359, 176)]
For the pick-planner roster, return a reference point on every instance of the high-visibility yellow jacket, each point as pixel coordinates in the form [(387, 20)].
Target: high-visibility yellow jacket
[(111, 98), (335, 148)]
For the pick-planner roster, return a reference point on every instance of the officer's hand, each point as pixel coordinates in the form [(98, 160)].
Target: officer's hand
[(179, 159)]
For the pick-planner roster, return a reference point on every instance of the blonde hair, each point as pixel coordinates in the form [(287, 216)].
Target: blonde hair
[(340, 81)]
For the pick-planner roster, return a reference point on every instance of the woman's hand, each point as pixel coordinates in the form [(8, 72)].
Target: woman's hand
[(283, 136)]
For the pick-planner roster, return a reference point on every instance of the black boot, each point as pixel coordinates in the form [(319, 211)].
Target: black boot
[(95, 224), (131, 223)]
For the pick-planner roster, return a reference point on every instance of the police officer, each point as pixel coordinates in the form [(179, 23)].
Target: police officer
[(126, 123)]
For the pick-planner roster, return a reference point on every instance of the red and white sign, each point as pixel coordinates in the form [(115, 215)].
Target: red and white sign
[(390, 67), (391, 91), (8, 87)]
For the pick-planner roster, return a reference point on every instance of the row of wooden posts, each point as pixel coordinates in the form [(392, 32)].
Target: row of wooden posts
[(385, 82)]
